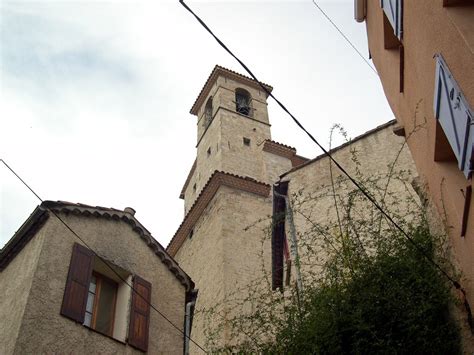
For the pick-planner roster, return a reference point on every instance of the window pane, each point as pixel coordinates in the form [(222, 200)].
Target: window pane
[(105, 309), (87, 319), (90, 302), (92, 284)]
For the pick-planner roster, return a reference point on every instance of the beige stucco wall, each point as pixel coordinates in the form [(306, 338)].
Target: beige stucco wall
[(15, 284), (430, 28), (44, 330)]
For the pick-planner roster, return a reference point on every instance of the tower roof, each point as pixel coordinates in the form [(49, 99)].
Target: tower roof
[(218, 70)]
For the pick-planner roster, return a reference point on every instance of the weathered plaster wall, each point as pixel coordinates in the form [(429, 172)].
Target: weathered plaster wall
[(43, 329), (430, 28), (15, 284)]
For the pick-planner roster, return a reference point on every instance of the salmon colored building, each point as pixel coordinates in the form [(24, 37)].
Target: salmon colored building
[(423, 51)]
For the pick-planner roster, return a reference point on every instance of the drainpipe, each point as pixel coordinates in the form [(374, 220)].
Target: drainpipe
[(187, 327), (191, 297), (294, 244)]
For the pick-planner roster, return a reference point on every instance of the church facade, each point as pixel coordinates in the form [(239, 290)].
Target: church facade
[(224, 242)]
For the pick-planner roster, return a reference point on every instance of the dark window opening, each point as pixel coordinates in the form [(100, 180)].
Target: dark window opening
[(390, 40), (100, 307), (443, 150), (247, 141), (209, 151), (194, 188), (190, 236), (393, 17), (208, 112), (456, 2), (242, 102)]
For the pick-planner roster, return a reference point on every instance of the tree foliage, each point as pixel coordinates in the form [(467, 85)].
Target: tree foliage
[(394, 302)]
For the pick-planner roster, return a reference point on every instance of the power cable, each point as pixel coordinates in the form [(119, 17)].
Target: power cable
[(345, 37), (102, 259), (356, 184)]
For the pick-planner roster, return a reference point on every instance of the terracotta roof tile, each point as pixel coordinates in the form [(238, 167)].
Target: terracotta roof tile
[(29, 228)]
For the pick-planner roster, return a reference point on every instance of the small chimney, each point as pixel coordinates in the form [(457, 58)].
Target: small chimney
[(129, 210)]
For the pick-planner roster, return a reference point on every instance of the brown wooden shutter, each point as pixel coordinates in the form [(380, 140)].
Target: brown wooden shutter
[(140, 314), (77, 285), (278, 234)]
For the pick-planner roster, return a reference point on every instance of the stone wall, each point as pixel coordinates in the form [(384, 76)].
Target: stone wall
[(224, 255), (203, 259), (380, 161)]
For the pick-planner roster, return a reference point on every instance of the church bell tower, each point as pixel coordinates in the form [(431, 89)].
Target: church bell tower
[(227, 193), (232, 125)]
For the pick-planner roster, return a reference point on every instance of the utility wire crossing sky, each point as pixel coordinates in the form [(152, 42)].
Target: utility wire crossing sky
[(101, 92)]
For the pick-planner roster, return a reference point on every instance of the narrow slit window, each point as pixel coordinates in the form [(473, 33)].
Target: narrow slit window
[(208, 112), (209, 152)]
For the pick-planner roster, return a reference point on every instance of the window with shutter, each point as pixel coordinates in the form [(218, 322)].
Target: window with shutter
[(77, 284), (455, 119), (100, 299), (393, 9), (140, 314)]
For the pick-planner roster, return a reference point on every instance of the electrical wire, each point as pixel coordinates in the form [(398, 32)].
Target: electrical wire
[(339, 166), (345, 37), (102, 259)]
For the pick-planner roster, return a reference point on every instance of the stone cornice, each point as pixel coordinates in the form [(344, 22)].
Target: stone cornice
[(217, 180)]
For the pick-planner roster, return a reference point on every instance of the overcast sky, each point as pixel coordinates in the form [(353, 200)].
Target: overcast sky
[(95, 96)]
